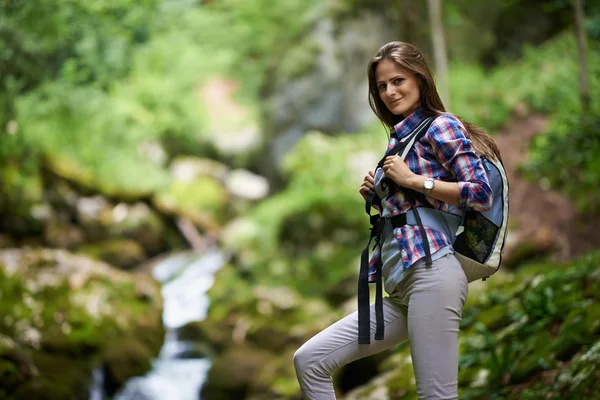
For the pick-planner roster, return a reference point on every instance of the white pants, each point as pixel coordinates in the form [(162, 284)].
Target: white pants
[(425, 308)]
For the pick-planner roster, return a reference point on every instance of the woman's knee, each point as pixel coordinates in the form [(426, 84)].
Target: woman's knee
[(302, 360)]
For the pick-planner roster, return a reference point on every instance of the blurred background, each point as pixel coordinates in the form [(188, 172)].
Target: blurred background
[(179, 206)]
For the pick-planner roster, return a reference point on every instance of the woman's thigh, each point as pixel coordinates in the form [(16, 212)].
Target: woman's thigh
[(436, 298)]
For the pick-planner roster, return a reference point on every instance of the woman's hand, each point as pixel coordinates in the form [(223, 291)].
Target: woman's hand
[(368, 184), (396, 169)]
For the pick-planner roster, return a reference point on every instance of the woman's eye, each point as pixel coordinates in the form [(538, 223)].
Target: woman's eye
[(381, 86), (398, 81)]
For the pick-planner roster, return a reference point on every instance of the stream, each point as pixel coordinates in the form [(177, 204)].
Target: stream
[(185, 279)]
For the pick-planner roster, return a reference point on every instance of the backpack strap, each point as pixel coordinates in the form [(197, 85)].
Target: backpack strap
[(364, 317)]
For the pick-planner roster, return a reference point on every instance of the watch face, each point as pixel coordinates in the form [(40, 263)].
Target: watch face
[(428, 184)]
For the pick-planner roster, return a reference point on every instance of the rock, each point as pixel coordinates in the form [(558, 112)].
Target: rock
[(6, 241), (126, 187), (139, 223), (122, 253), (102, 220), (246, 185), (186, 169), (328, 92), (234, 373), (192, 332), (195, 193), (20, 192), (123, 359), (66, 311), (62, 235)]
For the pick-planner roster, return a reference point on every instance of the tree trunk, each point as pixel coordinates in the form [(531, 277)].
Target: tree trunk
[(439, 49), (584, 89)]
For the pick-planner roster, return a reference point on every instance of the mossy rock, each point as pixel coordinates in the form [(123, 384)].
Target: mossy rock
[(45, 389), (122, 360), (202, 200), (21, 191), (64, 236), (270, 317), (125, 187), (64, 310), (16, 366), (235, 373), (140, 223), (122, 253), (192, 332), (277, 377)]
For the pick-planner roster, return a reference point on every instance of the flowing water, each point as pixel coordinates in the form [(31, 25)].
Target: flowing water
[(185, 279)]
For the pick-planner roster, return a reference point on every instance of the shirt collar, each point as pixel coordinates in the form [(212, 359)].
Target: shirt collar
[(409, 123)]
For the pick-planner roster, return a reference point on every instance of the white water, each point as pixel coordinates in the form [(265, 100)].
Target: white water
[(185, 279)]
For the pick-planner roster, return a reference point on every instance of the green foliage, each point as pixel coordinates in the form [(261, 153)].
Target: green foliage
[(567, 157), (258, 35), (550, 320), (545, 80), (310, 232)]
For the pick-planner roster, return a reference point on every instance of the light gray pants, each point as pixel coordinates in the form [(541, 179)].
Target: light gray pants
[(425, 308)]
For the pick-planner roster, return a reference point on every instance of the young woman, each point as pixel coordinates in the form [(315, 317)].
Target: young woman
[(425, 302)]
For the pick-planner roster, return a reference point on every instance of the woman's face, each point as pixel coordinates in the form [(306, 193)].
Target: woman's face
[(398, 88)]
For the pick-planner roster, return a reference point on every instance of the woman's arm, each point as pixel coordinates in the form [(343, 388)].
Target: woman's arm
[(448, 192), (451, 147), (454, 150)]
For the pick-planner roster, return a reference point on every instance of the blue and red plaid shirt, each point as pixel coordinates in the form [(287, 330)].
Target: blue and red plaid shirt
[(444, 153)]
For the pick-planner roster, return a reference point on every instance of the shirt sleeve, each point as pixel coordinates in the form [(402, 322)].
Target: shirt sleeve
[(454, 150)]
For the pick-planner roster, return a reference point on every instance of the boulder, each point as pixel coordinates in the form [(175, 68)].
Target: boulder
[(122, 253), (61, 315), (320, 85), (196, 193)]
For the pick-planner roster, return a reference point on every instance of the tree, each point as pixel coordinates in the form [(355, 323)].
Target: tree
[(439, 49), (581, 46)]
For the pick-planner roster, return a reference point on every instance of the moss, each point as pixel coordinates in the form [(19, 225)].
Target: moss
[(45, 389), (63, 373), (122, 253), (16, 367), (202, 200), (234, 373), (66, 323), (123, 359)]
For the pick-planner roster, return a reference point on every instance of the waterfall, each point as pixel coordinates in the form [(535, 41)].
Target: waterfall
[(185, 279)]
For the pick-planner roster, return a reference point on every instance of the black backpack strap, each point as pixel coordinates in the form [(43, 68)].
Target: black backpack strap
[(364, 316), (410, 195)]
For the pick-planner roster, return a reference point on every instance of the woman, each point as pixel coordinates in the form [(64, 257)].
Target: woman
[(425, 302)]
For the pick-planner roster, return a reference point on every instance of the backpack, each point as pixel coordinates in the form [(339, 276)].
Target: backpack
[(479, 237)]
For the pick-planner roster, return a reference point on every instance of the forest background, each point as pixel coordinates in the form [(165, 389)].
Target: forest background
[(132, 131)]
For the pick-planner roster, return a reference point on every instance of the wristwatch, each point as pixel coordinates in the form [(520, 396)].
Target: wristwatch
[(428, 186)]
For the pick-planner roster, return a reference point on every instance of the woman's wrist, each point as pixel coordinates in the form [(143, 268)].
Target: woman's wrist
[(416, 183)]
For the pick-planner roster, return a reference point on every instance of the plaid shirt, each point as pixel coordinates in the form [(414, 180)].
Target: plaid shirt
[(444, 153)]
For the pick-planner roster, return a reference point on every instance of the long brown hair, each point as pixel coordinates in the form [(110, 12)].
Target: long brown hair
[(410, 58)]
